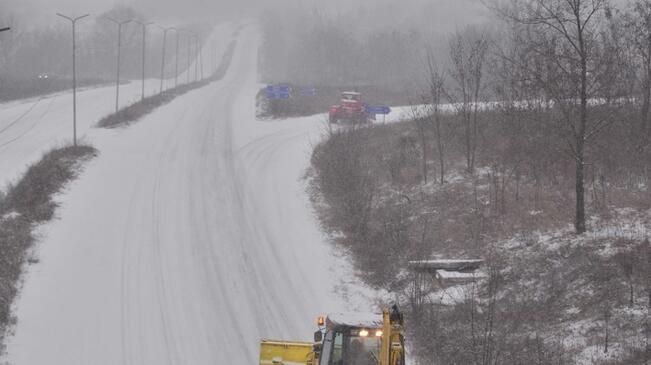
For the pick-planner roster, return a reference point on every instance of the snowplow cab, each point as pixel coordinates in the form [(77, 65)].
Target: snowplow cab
[(361, 339), (344, 339), (352, 339)]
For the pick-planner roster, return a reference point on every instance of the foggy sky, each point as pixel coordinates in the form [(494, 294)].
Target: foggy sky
[(433, 14)]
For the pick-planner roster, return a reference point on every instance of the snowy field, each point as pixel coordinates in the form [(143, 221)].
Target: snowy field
[(189, 238)]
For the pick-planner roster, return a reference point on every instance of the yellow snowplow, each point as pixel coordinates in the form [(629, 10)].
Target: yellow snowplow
[(344, 339)]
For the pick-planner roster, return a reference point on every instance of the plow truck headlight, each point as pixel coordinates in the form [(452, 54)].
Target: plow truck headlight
[(378, 333), (363, 333)]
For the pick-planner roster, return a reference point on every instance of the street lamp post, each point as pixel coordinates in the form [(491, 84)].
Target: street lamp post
[(178, 43), (196, 57), (117, 83), (176, 57), (211, 56), (162, 67), (144, 51), (189, 68), (201, 53), (214, 57), (74, 72)]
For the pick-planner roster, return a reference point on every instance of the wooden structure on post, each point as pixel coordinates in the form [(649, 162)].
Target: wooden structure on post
[(442, 273)]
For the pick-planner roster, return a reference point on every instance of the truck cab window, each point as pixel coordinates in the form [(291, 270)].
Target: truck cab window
[(337, 349)]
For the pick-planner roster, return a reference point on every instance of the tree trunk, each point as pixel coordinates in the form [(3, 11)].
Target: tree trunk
[(441, 152), (607, 334), (579, 223), (468, 142), (646, 105), (423, 140), (631, 289)]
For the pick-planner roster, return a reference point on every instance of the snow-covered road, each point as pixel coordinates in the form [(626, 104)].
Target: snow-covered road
[(30, 127), (187, 240)]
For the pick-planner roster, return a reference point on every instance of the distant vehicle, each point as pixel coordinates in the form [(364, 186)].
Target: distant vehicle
[(350, 109)]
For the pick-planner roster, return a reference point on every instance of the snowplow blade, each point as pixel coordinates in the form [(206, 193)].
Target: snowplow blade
[(286, 353)]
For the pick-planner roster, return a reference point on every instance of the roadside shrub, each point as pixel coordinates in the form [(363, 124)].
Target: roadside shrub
[(31, 197), (25, 204)]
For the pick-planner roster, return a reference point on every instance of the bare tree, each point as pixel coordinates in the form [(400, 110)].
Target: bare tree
[(436, 92), (566, 60), (420, 117), (638, 31), (468, 55)]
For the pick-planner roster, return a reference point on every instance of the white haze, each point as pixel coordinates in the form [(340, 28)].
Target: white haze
[(432, 15)]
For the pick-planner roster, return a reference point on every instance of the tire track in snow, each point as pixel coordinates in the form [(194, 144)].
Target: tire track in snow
[(36, 122), (268, 145), (262, 153), (222, 149), (125, 295), (264, 239), (21, 116), (171, 346)]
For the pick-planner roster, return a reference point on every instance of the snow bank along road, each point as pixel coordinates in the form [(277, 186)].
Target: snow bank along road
[(28, 128), (187, 240)]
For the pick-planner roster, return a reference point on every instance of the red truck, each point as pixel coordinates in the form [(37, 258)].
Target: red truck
[(350, 109)]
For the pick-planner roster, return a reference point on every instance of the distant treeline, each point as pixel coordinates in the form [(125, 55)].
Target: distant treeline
[(29, 51), (312, 49)]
